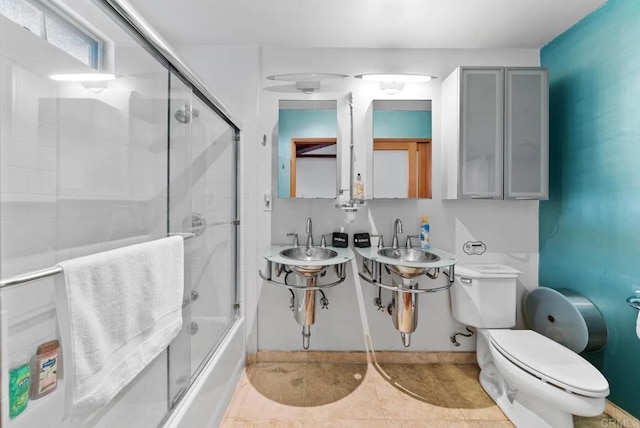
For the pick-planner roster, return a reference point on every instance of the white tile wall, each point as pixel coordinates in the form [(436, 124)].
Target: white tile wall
[(66, 191)]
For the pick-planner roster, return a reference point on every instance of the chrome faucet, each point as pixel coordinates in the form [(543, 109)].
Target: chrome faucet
[(309, 231), (397, 228)]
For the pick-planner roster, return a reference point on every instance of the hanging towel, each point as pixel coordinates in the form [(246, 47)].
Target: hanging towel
[(117, 311)]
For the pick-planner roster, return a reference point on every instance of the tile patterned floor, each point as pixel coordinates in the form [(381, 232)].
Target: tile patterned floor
[(359, 395)]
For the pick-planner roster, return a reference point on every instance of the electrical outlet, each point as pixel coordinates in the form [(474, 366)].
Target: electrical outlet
[(266, 205)]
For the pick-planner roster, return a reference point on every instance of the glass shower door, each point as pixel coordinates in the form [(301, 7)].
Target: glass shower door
[(179, 214), (202, 201), (213, 268)]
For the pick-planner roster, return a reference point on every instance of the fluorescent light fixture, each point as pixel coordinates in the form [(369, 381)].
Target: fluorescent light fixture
[(395, 78), (83, 77), (306, 77), (306, 82), (394, 82)]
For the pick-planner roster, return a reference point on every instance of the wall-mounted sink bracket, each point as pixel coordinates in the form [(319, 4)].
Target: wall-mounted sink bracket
[(408, 264), (279, 268), (376, 279), (309, 264)]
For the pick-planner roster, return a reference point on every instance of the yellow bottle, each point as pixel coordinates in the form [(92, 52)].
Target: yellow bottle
[(358, 189)]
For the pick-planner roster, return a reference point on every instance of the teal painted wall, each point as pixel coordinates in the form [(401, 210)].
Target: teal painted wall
[(590, 227), (401, 124), (300, 124)]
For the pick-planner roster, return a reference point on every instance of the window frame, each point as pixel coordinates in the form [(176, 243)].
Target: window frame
[(49, 11)]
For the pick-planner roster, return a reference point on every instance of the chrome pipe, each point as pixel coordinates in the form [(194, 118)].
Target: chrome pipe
[(304, 304), (404, 290), (30, 276), (268, 275), (54, 270), (306, 336), (309, 230), (134, 19), (340, 270), (405, 310), (351, 147), (279, 269), (406, 339)]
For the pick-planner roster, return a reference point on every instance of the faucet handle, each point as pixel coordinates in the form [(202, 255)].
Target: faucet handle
[(408, 244), (323, 241), (295, 239), (380, 241)]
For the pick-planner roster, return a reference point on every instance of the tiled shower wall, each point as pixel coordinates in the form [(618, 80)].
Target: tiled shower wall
[(79, 174)]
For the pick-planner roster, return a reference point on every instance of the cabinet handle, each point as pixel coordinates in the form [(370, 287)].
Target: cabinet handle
[(480, 197)]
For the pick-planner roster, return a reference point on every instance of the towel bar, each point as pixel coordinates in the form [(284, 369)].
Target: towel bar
[(634, 302), (54, 270)]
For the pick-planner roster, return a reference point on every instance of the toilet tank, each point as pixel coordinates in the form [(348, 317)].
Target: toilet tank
[(484, 295)]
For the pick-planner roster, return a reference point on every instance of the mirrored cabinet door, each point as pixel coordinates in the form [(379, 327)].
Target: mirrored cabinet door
[(481, 129), (401, 149), (307, 149), (526, 133)]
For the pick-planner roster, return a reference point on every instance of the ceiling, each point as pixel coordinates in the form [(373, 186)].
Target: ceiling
[(475, 24)]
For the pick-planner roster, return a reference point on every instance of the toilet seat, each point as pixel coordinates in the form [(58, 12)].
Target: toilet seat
[(549, 361)]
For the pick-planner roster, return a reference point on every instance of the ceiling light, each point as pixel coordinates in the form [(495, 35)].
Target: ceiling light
[(83, 77), (392, 83), (306, 82)]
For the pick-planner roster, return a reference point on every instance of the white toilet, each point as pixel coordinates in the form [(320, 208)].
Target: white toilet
[(536, 381)]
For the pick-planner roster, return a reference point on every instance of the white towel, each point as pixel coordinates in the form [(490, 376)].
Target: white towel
[(117, 310)]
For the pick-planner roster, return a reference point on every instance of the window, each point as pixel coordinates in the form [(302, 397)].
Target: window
[(46, 21)]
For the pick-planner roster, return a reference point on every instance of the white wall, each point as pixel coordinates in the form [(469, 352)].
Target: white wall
[(237, 75), (78, 177), (508, 228)]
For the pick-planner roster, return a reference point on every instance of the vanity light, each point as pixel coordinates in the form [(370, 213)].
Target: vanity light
[(306, 82), (392, 83)]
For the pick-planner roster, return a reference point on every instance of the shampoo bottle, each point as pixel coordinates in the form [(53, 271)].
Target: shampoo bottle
[(358, 189), (45, 369), (424, 232)]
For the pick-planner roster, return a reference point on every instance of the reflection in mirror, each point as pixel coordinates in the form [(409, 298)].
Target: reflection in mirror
[(307, 149), (401, 149)]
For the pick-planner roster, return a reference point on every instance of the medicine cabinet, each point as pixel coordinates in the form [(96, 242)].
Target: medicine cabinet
[(495, 133)]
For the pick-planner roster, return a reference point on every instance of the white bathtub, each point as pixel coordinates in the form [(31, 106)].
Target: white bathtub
[(209, 331), (204, 404)]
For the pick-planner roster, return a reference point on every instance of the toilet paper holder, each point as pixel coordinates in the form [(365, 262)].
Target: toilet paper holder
[(634, 302)]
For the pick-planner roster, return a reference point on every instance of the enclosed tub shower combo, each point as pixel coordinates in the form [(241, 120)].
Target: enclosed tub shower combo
[(109, 140)]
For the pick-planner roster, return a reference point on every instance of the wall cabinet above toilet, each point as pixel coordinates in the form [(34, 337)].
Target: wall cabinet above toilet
[(495, 133)]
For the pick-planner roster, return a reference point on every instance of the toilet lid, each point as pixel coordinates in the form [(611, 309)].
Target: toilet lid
[(550, 361), (486, 270)]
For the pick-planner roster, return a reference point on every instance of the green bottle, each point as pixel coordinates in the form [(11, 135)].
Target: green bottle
[(18, 390)]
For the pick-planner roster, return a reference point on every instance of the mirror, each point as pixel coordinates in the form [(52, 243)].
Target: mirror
[(401, 149), (307, 149)]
